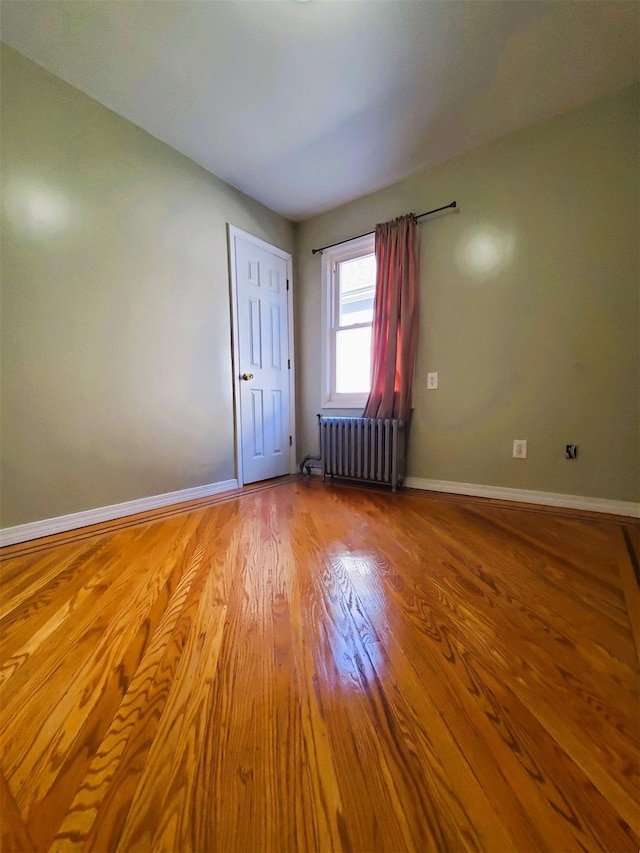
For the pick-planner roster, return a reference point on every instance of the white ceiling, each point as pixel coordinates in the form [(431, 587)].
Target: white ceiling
[(307, 105)]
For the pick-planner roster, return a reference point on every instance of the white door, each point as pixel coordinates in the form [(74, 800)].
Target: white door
[(261, 326)]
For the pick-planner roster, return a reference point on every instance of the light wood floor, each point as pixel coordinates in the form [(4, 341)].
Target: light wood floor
[(309, 668)]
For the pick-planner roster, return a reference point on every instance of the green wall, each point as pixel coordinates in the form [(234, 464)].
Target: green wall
[(116, 351), (529, 311)]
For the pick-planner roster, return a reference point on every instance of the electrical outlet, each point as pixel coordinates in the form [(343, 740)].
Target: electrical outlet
[(519, 449), (432, 381)]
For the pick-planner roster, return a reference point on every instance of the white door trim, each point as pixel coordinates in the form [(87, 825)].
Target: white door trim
[(234, 232)]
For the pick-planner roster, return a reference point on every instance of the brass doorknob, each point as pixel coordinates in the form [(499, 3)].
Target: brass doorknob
[(247, 376)]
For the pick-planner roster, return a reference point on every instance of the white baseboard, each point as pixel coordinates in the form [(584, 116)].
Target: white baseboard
[(62, 523), (527, 496)]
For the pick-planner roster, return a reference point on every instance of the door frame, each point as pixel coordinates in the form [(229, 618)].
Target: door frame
[(232, 234)]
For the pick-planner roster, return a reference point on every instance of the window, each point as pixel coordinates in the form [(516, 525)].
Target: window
[(349, 276)]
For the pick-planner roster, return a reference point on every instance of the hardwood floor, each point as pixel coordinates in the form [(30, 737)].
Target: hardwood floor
[(309, 667)]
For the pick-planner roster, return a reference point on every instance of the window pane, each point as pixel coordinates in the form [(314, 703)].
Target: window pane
[(357, 287), (353, 361)]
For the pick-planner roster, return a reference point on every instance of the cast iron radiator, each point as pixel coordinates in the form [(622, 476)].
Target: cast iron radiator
[(371, 449)]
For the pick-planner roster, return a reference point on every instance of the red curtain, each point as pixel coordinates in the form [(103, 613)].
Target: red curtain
[(394, 341)]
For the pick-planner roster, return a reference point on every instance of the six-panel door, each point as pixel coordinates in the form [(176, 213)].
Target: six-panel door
[(263, 348)]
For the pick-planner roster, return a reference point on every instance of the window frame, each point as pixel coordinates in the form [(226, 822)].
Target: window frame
[(331, 257)]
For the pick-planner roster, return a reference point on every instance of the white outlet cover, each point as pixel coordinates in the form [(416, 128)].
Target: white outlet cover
[(519, 448), (432, 381)]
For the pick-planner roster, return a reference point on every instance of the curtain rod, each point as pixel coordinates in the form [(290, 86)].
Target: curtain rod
[(366, 233)]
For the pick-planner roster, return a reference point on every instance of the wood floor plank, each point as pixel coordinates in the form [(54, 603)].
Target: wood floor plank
[(244, 748), (14, 837), (362, 663), (296, 769), (77, 596), (429, 664), (593, 580), (620, 785), (521, 784), (113, 773), (310, 667), (424, 741), (100, 809), (630, 579), (48, 569), (316, 780), (544, 584), (69, 647), (372, 812), (102, 802), (31, 740), (160, 816)]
